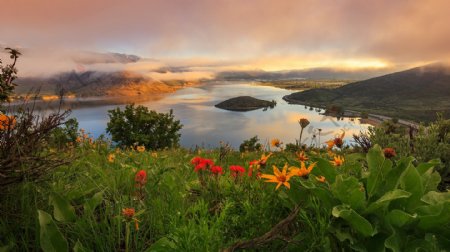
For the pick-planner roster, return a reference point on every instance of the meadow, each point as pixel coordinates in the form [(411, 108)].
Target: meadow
[(334, 198)]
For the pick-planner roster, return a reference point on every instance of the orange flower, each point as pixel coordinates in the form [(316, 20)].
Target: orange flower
[(7, 122), (302, 171), (128, 213), (389, 152), (276, 142), (301, 156), (321, 179), (111, 158), (338, 160), (279, 177), (337, 141), (140, 148), (263, 159)]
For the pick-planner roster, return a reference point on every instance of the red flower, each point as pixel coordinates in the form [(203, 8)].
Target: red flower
[(201, 163), (141, 177), (236, 170), (389, 153), (217, 170)]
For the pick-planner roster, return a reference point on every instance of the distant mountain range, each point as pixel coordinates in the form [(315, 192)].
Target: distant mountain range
[(314, 73), (93, 83), (89, 58), (416, 94)]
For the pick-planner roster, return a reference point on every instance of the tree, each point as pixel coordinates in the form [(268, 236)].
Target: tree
[(141, 126), (8, 73)]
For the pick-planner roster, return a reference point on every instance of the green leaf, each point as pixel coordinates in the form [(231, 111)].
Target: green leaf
[(379, 167), (392, 180), (324, 168), (394, 241), (430, 180), (79, 247), (349, 191), (434, 217), (423, 167), (355, 220), (411, 182), (434, 198), (386, 199), (92, 203), (399, 218), (62, 210), (50, 237)]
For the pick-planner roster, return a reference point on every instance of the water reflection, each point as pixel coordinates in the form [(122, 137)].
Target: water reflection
[(206, 125)]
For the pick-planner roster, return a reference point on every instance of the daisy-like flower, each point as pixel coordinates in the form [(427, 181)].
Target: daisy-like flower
[(276, 142), (140, 148), (301, 156), (321, 179), (111, 158), (302, 171), (389, 152), (264, 158), (279, 177), (7, 122), (337, 141), (338, 161)]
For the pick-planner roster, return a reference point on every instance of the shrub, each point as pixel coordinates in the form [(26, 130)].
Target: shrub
[(251, 144), (141, 126), (8, 75)]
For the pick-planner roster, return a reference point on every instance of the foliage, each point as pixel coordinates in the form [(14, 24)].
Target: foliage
[(251, 144), (65, 134), (141, 126), (8, 73)]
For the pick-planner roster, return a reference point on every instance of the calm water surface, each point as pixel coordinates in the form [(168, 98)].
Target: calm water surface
[(206, 126)]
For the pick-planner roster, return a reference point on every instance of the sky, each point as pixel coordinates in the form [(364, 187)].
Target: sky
[(218, 35)]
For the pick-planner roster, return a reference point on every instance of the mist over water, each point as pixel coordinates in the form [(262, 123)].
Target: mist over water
[(206, 125)]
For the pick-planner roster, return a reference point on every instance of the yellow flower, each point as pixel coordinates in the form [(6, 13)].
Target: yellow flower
[(276, 142), (301, 156), (263, 159), (279, 177), (111, 158), (302, 171), (7, 122), (337, 141), (321, 179), (338, 161), (140, 148), (154, 154)]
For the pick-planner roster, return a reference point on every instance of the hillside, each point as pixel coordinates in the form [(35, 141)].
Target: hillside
[(92, 83), (415, 94)]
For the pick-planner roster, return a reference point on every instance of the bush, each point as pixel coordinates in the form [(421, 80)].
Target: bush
[(141, 126), (251, 144)]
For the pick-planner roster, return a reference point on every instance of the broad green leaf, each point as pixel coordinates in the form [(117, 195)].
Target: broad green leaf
[(324, 168), (394, 241), (392, 180), (50, 237), (379, 167), (355, 220), (411, 182), (349, 191), (430, 180), (92, 203), (62, 210), (79, 247), (386, 199), (399, 218), (423, 167), (437, 219), (434, 198)]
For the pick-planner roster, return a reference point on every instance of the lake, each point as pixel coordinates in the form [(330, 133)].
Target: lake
[(206, 125)]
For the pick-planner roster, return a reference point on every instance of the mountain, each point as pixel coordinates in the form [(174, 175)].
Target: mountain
[(415, 94), (88, 58), (313, 73), (93, 83)]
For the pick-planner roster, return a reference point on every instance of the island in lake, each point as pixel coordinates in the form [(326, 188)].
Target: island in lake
[(245, 103)]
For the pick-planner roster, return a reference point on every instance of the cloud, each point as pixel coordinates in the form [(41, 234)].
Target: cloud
[(247, 33)]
